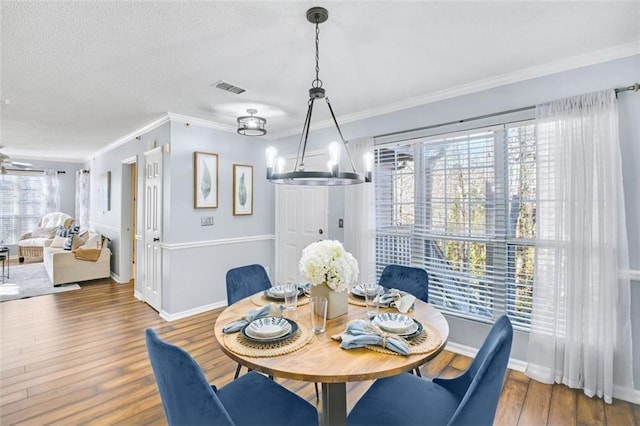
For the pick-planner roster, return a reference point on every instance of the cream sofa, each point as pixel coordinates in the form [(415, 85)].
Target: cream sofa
[(63, 267)]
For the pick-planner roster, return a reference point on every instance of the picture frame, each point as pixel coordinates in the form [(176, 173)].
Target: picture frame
[(104, 191), (242, 190), (205, 180)]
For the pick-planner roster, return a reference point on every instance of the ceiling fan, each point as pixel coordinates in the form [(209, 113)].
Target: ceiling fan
[(5, 162)]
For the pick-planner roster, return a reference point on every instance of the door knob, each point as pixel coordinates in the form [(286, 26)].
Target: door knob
[(156, 239), (320, 231)]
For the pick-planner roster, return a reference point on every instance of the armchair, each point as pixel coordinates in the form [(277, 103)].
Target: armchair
[(32, 243)]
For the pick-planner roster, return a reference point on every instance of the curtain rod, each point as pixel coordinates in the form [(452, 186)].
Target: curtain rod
[(9, 169), (634, 87)]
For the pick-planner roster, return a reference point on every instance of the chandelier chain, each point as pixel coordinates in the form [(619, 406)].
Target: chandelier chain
[(317, 82)]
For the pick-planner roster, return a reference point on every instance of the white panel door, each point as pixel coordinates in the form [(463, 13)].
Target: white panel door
[(301, 218), (152, 285)]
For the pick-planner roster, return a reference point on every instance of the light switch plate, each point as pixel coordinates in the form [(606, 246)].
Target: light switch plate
[(206, 221)]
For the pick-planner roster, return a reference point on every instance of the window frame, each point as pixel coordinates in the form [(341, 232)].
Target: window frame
[(500, 289)]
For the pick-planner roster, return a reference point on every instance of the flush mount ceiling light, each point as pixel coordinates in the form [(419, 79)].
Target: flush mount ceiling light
[(251, 125), (299, 175)]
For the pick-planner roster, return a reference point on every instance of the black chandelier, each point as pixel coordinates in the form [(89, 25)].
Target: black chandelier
[(333, 175)]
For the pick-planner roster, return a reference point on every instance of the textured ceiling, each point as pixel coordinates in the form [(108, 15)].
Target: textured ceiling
[(78, 75)]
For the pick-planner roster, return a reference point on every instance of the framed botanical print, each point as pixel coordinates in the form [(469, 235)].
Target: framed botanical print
[(242, 190), (205, 180)]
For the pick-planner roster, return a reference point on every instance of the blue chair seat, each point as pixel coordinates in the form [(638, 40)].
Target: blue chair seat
[(253, 399), (412, 404)]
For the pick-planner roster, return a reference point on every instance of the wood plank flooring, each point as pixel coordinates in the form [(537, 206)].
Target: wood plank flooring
[(79, 358)]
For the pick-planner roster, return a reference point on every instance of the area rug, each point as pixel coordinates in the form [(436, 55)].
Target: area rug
[(30, 280)]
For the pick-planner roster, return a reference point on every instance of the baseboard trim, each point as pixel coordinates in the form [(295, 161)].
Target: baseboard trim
[(190, 312), (117, 278), (514, 364), (625, 394), (138, 295)]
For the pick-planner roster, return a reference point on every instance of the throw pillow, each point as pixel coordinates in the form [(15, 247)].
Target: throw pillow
[(58, 241), (73, 231), (61, 231), (93, 242), (77, 241)]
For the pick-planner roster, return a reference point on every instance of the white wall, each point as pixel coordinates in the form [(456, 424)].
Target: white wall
[(196, 258)]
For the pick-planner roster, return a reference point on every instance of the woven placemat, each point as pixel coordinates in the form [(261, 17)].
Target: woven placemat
[(260, 299), (239, 344), (354, 300), (428, 341)]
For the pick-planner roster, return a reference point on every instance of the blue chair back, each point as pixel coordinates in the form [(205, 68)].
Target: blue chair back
[(245, 281), (406, 278), (481, 384), (186, 395)]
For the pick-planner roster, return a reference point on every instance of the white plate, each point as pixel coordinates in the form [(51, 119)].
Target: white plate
[(268, 327), (276, 291), (395, 323), (359, 290)]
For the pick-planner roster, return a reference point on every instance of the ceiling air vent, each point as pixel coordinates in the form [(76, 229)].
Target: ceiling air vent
[(228, 87)]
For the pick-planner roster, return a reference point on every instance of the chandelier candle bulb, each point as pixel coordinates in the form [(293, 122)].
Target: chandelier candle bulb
[(270, 153)]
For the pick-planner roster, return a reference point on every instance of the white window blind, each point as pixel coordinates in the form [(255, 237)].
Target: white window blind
[(22, 206), (461, 207)]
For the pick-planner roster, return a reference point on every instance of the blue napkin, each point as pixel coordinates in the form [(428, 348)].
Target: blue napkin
[(361, 333), (398, 299), (270, 310), (306, 288)]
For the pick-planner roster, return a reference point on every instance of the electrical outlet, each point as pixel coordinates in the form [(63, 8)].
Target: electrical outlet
[(340, 223), (206, 221)]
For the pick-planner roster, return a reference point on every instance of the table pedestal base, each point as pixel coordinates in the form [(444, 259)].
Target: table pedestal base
[(334, 404)]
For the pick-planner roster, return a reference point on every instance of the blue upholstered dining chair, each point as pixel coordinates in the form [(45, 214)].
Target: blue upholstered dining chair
[(469, 399), (189, 399), (245, 281), (406, 278), (413, 280)]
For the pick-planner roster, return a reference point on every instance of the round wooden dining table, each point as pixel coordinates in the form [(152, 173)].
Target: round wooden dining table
[(322, 360)]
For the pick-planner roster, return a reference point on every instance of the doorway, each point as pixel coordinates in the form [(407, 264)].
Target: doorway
[(128, 220)]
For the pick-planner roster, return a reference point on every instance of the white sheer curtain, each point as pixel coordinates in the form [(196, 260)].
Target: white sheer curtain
[(51, 191), (359, 215), (581, 328), (82, 198)]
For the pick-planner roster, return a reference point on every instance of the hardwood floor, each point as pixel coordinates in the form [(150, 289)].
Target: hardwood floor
[(79, 358)]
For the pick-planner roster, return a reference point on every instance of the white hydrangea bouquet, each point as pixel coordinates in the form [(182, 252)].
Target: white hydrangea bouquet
[(327, 262)]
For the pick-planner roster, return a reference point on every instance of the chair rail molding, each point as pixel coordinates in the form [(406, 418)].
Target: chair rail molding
[(219, 242)]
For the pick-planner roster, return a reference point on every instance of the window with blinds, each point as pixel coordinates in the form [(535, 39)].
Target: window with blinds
[(23, 205), (462, 206)]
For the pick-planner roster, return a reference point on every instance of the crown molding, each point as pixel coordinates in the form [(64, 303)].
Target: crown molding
[(164, 118), (567, 64), (179, 118), (574, 62)]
